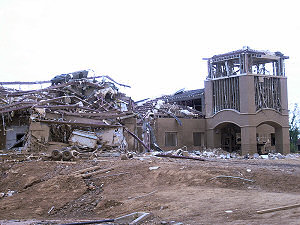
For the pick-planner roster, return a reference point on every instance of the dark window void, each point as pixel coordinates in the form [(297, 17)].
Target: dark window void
[(171, 139), (19, 140), (197, 138), (272, 139)]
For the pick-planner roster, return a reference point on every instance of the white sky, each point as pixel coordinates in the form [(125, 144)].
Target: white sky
[(154, 46)]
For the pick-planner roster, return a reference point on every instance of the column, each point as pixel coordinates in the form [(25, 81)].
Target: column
[(208, 88), (247, 94), (282, 140), (248, 138), (213, 138)]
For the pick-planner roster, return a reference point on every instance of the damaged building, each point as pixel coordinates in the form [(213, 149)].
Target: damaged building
[(243, 108), (83, 113), (246, 104)]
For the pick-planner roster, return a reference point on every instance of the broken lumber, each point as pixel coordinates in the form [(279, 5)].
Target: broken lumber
[(180, 157), (223, 176), (278, 209), (141, 196), (95, 124), (139, 140), (93, 173), (87, 169)]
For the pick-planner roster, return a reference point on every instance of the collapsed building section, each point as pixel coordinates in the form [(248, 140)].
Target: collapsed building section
[(83, 113)]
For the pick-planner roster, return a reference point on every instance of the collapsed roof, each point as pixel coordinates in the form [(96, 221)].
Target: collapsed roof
[(83, 103), (181, 104)]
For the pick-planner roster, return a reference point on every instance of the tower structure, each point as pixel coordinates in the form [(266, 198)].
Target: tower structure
[(245, 90)]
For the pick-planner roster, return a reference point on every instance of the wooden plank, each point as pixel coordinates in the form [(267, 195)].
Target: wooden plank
[(278, 209)]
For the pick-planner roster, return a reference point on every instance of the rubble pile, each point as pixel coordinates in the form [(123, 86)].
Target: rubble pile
[(219, 153), (160, 107), (84, 113)]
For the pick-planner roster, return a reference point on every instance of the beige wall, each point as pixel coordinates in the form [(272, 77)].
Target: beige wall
[(184, 132)]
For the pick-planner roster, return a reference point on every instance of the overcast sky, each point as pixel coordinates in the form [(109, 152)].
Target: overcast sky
[(154, 46)]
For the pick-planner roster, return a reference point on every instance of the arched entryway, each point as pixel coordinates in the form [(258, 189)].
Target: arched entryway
[(272, 137), (229, 136)]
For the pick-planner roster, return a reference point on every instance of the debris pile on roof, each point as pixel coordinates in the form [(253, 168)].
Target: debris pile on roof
[(66, 112), (171, 105)]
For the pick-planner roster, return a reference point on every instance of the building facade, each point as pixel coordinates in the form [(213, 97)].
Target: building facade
[(244, 107), (246, 91)]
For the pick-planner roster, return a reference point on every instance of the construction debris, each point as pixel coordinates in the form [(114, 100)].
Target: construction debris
[(76, 112), (179, 157), (241, 178), (278, 209)]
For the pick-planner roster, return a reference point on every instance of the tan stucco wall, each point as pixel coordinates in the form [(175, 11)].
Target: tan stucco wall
[(184, 132)]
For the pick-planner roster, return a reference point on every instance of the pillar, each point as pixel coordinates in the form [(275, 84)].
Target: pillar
[(213, 138), (208, 89), (284, 96), (247, 94), (282, 140), (248, 138)]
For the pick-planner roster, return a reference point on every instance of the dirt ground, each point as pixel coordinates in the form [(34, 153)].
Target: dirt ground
[(173, 190)]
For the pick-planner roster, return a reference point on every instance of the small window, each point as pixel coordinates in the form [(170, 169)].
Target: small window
[(272, 139), (197, 138), (171, 139)]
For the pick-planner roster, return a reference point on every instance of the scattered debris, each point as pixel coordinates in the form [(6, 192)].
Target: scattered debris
[(223, 176), (133, 218), (180, 157), (130, 198), (91, 171), (10, 193), (278, 209), (153, 167), (50, 210), (229, 211)]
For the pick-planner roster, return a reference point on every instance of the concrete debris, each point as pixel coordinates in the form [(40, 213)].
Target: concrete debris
[(229, 211), (10, 193), (264, 156), (255, 155), (153, 167), (221, 154)]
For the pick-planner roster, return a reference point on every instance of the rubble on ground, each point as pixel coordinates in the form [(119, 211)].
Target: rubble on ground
[(219, 153)]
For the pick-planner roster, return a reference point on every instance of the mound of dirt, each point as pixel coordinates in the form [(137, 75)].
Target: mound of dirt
[(41, 197), (180, 190)]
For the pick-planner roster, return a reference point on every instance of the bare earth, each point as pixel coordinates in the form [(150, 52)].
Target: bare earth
[(180, 190)]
